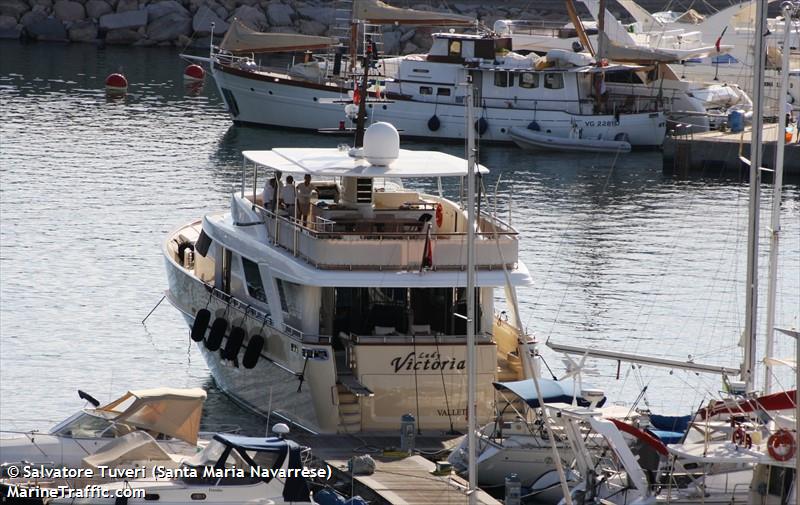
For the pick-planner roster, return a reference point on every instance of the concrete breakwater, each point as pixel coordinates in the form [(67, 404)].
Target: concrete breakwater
[(185, 22)]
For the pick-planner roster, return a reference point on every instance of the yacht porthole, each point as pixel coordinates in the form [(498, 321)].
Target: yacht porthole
[(198, 496), (253, 90), (384, 107), (270, 92), (315, 99), (502, 130)]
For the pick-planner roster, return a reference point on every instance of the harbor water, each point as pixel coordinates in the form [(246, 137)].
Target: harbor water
[(623, 257)]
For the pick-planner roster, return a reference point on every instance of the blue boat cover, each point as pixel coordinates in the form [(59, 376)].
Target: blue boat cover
[(668, 437), (552, 391), (670, 423), (259, 444)]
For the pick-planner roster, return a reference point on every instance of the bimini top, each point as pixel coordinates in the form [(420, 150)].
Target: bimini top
[(552, 391), (173, 412), (338, 163), (258, 444)]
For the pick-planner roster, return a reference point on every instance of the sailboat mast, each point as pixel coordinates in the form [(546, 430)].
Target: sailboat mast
[(777, 184), (472, 424), (751, 300)]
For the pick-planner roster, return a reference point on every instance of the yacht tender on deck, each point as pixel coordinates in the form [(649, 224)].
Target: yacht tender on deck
[(334, 324)]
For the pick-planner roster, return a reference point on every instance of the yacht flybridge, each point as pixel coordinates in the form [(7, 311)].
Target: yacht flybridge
[(354, 317)]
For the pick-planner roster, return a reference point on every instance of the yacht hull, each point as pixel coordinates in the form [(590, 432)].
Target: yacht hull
[(258, 98)]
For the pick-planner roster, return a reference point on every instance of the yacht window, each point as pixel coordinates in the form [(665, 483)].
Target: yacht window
[(528, 80), (553, 81), (443, 91), (425, 90), (88, 426), (252, 277), (290, 295), (454, 48), (503, 79)]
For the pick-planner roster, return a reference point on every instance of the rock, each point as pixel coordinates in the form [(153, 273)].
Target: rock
[(461, 7), (130, 19), (229, 5), (47, 4), (422, 38), (408, 35), (391, 42), (47, 29), (97, 8), (410, 48), (324, 15), (66, 10), (13, 8), (127, 5), (161, 9), (220, 11), (34, 16), (282, 29), (201, 23), (311, 27), (279, 14), (122, 36), (9, 28), (83, 31), (250, 16), (169, 27)]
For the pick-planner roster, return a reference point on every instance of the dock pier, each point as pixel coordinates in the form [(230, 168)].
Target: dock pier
[(716, 152), (408, 480)]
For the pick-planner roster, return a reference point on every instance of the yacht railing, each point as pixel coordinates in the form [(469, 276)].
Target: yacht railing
[(481, 338), (388, 245)]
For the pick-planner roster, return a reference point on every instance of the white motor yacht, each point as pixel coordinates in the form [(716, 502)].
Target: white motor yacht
[(231, 469), (353, 317), (171, 415)]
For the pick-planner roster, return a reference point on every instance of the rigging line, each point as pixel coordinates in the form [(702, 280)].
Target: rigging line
[(444, 387)]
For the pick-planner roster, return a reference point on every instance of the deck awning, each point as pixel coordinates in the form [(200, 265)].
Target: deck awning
[(324, 162), (552, 391), (242, 39), (377, 12), (173, 412)]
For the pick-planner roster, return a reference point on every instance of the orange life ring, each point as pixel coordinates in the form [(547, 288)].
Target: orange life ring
[(781, 445), (439, 214), (741, 438)]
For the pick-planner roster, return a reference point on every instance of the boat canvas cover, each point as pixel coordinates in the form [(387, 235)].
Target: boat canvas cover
[(377, 12), (173, 412), (242, 39), (552, 391), (122, 451), (644, 54), (335, 163)]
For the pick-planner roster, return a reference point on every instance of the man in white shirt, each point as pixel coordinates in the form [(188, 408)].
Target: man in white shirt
[(289, 197), (304, 191), (269, 194)]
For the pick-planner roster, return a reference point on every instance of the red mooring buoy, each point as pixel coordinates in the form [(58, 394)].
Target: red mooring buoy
[(194, 73), (116, 83)]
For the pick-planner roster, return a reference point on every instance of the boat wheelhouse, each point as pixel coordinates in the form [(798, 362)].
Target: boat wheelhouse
[(355, 317)]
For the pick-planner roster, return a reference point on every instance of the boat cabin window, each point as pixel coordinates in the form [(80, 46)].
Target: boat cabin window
[(780, 480), (88, 426), (485, 48), (252, 276), (443, 91), (290, 294), (401, 311), (553, 81), (528, 80), (454, 48), (211, 457), (425, 90), (503, 79)]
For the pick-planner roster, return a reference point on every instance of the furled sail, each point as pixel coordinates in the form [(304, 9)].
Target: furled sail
[(377, 12), (243, 39)]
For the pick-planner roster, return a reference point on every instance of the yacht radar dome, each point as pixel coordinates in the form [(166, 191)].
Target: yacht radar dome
[(381, 144), (280, 429)]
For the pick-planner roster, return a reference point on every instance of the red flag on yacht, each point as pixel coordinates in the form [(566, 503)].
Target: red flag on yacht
[(357, 96), (427, 251), (719, 40)]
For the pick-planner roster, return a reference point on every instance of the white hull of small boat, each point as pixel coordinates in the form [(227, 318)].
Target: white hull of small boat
[(530, 139)]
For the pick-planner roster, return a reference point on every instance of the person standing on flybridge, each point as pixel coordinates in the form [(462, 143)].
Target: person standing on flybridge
[(289, 197), (304, 191), (269, 196)]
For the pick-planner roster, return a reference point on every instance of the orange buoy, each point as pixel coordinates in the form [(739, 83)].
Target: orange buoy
[(194, 73), (781, 445), (116, 83)]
